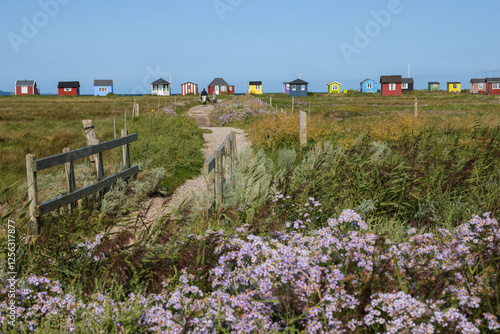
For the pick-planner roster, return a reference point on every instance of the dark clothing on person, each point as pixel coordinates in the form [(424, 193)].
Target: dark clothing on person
[(204, 96)]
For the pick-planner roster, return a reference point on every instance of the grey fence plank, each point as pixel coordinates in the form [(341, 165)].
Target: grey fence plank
[(222, 148), (209, 165), (83, 152), (60, 201)]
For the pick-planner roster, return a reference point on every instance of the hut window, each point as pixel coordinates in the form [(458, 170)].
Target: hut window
[(369, 85), (67, 89), (392, 86), (454, 85), (480, 85), (222, 88), (495, 85), (24, 89), (294, 87), (103, 89), (303, 87), (404, 86), (257, 87)]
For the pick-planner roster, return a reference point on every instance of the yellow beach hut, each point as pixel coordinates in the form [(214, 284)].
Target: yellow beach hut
[(255, 87), (454, 87), (334, 87)]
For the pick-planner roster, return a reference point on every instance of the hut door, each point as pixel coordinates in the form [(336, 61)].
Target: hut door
[(217, 90)]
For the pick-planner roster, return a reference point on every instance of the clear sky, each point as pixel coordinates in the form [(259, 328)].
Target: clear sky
[(136, 42)]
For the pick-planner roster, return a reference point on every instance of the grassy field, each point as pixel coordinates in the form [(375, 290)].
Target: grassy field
[(355, 103), (44, 125)]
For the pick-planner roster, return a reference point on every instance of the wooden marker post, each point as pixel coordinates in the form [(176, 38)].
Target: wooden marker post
[(270, 101), (293, 104), (303, 128), (416, 107)]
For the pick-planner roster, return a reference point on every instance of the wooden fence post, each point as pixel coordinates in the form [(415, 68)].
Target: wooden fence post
[(270, 101), (303, 128), (70, 176), (227, 153), (126, 151), (32, 194), (293, 104), (114, 126), (89, 129), (416, 107), (232, 138), (218, 179), (99, 164)]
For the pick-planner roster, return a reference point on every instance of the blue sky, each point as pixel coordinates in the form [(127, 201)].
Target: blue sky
[(135, 42)]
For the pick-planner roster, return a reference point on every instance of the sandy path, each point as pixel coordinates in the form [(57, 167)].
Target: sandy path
[(159, 206)]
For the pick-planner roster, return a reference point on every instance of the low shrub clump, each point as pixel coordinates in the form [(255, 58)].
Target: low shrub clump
[(238, 111)]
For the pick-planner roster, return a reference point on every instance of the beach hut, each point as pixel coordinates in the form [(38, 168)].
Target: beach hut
[(453, 87), (368, 86), (390, 85), (493, 86), (189, 88), (298, 87), (26, 87), (160, 87), (220, 86), (478, 86), (433, 86), (407, 85), (334, 87), (286, 87), (68, 88), (255, 87), (103, 87)]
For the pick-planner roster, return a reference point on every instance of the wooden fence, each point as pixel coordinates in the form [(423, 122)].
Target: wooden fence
[(223, 157), (36, 210)]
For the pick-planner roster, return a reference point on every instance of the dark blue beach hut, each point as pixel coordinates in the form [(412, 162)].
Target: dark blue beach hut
[(298, 87)]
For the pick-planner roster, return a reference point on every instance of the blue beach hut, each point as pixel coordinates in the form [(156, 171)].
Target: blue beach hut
[(298, 87), (103, 87), (368, 86)]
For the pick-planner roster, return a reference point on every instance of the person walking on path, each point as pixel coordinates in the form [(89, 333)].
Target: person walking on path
[(214, 98), (204, 95)]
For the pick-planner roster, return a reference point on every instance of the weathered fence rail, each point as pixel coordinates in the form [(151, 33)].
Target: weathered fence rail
[(33, 165), (223, 157)]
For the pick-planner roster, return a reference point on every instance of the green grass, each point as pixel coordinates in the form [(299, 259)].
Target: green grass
[(358, 104), (44, 125), (398, 170)]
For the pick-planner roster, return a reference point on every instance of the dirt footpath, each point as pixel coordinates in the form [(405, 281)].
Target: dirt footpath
[(158, 206)]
